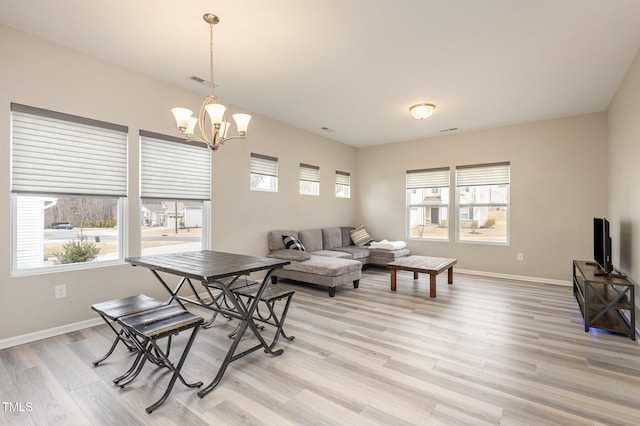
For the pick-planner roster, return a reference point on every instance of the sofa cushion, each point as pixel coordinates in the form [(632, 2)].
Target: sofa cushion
[(295, 255), (346, 236), (275, 239), (323, 265), (292, 243), (332, 253), (360, 236), (382, 256), (357, 253), (331, 238), (312, 240)]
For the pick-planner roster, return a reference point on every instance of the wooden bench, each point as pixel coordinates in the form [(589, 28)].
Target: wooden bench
[(113, 310), (270, 296), (149, 327)]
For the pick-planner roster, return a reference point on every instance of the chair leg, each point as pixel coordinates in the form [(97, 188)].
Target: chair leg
[(176, 371), (279, 322), (135, 369), (271, 318), (121, 336)]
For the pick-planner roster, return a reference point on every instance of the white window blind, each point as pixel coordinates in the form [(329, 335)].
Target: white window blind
[(172, 168), (309, 173), (428, 178), (60, 153), (264, 165), (483, 174), (343, 178)]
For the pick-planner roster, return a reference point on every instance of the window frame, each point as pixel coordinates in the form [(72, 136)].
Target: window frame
[(309, 176), (501, 176), (197, 165), (32, 127), (428, 179), (341, 186), (263, 166)]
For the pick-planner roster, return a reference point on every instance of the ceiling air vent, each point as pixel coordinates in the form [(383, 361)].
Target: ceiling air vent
[(197, 79), (201, 81)]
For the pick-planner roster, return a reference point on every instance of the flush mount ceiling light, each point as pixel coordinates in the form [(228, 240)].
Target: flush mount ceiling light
[(422, 111), (212, 121)]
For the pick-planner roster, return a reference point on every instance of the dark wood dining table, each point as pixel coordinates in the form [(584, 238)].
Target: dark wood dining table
[(221, 272)]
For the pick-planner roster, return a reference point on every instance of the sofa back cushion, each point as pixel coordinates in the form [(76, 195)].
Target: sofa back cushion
[(311, 240), (275, 239), (346, 235), (331, 238)]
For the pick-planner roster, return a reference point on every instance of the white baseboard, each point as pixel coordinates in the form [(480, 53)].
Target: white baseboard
[(50, 332), (514, 277)]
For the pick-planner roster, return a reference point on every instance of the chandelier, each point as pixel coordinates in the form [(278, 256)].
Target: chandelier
[(211, 121)]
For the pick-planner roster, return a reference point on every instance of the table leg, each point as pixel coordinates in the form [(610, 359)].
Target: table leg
[(432, 285), (450, 275), (246, 322), (393, 280), (415, 275), (173, 293)]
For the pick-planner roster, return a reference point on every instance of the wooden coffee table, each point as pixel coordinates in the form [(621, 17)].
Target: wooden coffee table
[(427, 265)]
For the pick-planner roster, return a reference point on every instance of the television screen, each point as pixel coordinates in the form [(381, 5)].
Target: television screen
[(602, 244)]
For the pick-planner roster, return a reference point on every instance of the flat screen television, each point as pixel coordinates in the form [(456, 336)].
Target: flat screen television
[(602, 246)]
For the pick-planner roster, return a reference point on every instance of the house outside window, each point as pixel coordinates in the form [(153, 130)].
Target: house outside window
[(482, 193), (69, 187), (428, 203), (175, 194), (263, 175), (309, 179), (343, 184)]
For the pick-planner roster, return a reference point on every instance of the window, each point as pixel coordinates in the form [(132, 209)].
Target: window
[(428, 203), (175, 193), (263, 173), (309, 179), (343, 184), (482, 192), (69, 187)]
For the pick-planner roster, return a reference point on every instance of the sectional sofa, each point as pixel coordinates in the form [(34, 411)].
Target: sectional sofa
[(326, 257)]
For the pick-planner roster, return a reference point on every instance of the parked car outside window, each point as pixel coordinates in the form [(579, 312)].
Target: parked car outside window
[(61, 225)]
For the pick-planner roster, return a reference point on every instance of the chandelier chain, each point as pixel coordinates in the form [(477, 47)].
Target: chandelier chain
[(211, 85)]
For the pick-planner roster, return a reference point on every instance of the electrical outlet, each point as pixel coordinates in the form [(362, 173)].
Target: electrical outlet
[(520, 256), (61, 291)]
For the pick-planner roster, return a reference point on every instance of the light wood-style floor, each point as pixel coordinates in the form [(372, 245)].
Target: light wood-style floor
[(486, 351)]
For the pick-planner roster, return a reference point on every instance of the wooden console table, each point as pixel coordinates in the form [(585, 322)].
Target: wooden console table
[(606, 302)]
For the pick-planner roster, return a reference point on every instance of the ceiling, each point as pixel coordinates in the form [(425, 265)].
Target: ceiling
[(357, 66)]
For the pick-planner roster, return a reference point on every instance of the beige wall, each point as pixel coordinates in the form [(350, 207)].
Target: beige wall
[(558, 184), (46, 75), (558, 174), (242, 218), (623, 121)]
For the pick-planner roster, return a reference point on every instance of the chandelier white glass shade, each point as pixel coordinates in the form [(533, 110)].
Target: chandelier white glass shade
[(422, 111), (211, 121)]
